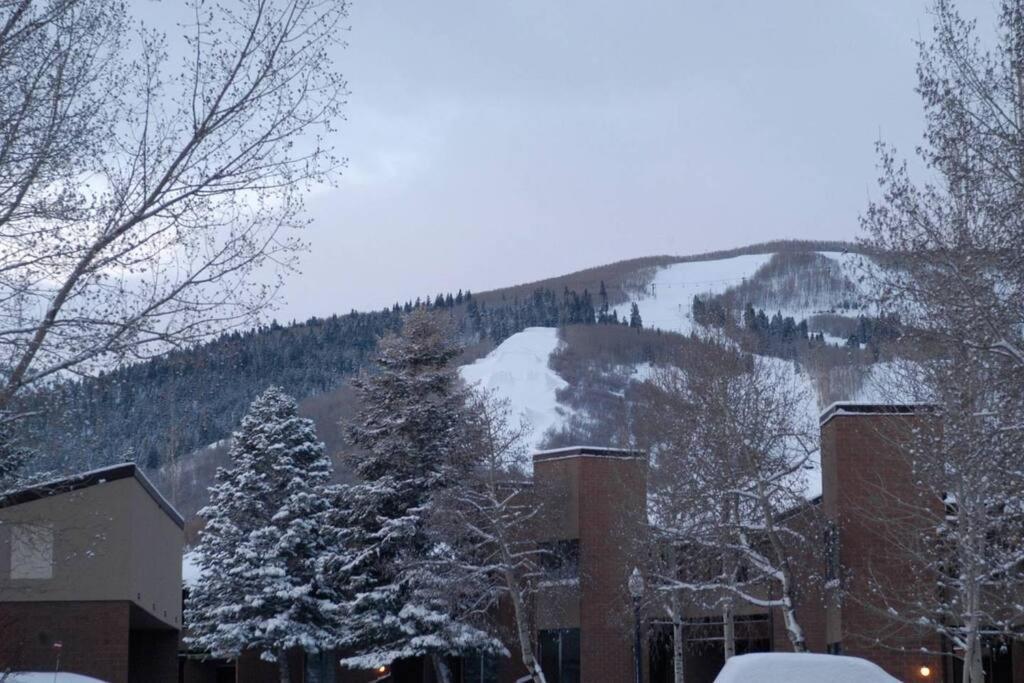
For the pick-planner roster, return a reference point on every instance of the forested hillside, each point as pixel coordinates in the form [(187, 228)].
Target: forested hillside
[(174, 404), (160, 411)]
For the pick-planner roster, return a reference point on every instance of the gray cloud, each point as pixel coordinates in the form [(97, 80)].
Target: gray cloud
[(492, 142)]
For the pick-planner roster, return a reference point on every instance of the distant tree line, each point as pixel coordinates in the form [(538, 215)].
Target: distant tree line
[(875, 332), (543, 308), (778, 335), (171, 405)]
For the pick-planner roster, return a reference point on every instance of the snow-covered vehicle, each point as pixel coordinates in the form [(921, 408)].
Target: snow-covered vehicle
[(46, 677), (788, 667)]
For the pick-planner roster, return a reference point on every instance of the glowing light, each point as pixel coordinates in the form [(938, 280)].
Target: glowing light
[(382, 669), (925, 671)]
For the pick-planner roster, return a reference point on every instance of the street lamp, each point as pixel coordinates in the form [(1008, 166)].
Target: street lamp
[(636, 591)]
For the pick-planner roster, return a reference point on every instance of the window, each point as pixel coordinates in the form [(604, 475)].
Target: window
[(560, 560), (560, 655), (479, 669), (835, 648), (31, 551), (319, 667)]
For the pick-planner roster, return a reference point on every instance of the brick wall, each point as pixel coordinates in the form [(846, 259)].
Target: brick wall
[(612, 517), (94, 637), (808, 567), (866, 481)]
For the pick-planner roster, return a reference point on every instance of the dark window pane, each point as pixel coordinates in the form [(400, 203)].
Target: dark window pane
[(471, 669), (479, 669), (549, 641), (570, 665), (560, 560)]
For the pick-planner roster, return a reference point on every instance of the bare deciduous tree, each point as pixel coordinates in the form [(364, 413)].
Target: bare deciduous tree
[(486, 520), (146, 200), (952, 265), (731, 465), (960, 536), (955, 244)]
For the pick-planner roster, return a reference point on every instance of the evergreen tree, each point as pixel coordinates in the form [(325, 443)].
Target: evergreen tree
[(635, 321), (258, 588), (602, 311), (410, 435)]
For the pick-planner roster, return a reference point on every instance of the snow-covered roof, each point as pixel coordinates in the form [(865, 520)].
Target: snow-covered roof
[(592, 451), (75, 482), (845, 408)]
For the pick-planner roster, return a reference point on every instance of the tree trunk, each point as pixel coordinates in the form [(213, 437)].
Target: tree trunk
[(728, 631), (444, 674), (793, 628), (973, 669), (786, 580), (282, 666), (522, 626), (728, 624), (677, 639)]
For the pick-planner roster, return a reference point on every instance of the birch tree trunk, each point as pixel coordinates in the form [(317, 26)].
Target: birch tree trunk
[(444, 674), (523, 631), (728, 631), (282, 666), (678, 673)]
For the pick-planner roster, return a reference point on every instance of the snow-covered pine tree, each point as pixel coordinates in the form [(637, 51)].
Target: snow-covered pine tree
[(409, 433), (264, 537), (483, 524)]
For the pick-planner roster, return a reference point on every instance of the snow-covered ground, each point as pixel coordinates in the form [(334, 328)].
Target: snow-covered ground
[(808, 410), (788, 667), (668, 305), (518, 371)]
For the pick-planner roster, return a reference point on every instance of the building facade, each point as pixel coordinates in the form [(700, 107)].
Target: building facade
[(593, 521), (90, 578)]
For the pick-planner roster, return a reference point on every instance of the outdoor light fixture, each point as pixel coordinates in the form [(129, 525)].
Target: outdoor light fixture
[(925, 671), (382, 669)]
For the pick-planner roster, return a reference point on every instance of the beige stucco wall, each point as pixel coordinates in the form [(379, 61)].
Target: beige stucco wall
[(111, 541)]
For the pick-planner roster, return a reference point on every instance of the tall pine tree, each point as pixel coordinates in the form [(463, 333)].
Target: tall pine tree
[(264, 538), (409, 433)]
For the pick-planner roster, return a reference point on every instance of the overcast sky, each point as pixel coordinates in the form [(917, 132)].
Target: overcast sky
[(492, 142)]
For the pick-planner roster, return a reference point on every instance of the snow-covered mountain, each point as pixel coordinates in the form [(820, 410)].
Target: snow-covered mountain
[(519, 371), (800, 285), (824, 288), (541, 345)]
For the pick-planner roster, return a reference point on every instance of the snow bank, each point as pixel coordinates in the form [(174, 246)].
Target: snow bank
[(50, 677), (518, 371), (190, 568), (669, 302), (785, 667)]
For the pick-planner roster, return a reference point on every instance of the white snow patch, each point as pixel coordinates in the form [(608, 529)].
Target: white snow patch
[(190, 568), (809, 412), (669, 302), (894, 382), (518, 371), (788, 667), (48, 677)]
